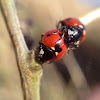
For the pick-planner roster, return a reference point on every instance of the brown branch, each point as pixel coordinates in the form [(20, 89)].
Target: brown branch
[(30, 70)]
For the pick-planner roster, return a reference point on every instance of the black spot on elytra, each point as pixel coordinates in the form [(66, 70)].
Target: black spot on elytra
[(48, 35), (69, 19), (57, 48)]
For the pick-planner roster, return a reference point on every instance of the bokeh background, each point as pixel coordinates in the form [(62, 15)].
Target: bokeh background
[(37, 17)]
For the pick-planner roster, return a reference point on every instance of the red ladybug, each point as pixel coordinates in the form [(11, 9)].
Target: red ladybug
[(52, 47), (75, 32)]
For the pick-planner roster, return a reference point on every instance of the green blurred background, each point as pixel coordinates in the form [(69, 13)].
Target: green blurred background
[(37, 17)]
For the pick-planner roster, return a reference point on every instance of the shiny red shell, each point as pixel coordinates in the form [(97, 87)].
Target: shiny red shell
[(83, 37), (75, 23), (72, 21), (51, 38)]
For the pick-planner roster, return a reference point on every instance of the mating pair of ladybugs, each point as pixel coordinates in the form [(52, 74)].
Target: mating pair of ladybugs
[(70, 33)]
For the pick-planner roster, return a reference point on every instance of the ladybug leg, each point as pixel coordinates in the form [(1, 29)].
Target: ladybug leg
[(63, 35), (64, 28), (58, 25), (55, 32), (40, 43), (67, 51), (50, 61), (42, 36)]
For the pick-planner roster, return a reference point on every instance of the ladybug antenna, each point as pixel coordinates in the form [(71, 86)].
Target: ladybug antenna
[(59, 25)]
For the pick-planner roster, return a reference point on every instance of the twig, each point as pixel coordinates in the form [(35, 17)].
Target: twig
[(30, 70)]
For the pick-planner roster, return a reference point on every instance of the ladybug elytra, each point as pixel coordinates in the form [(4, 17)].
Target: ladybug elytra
[(74, 31), (52, 47)]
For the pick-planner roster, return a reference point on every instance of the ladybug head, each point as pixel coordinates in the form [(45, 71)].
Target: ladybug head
[(74, 36), (44, 54)]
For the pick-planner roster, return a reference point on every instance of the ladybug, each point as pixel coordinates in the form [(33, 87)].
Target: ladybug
[(75, 32), (52, 47)]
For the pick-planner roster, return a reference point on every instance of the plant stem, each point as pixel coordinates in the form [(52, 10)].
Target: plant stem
[(30, 70)]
